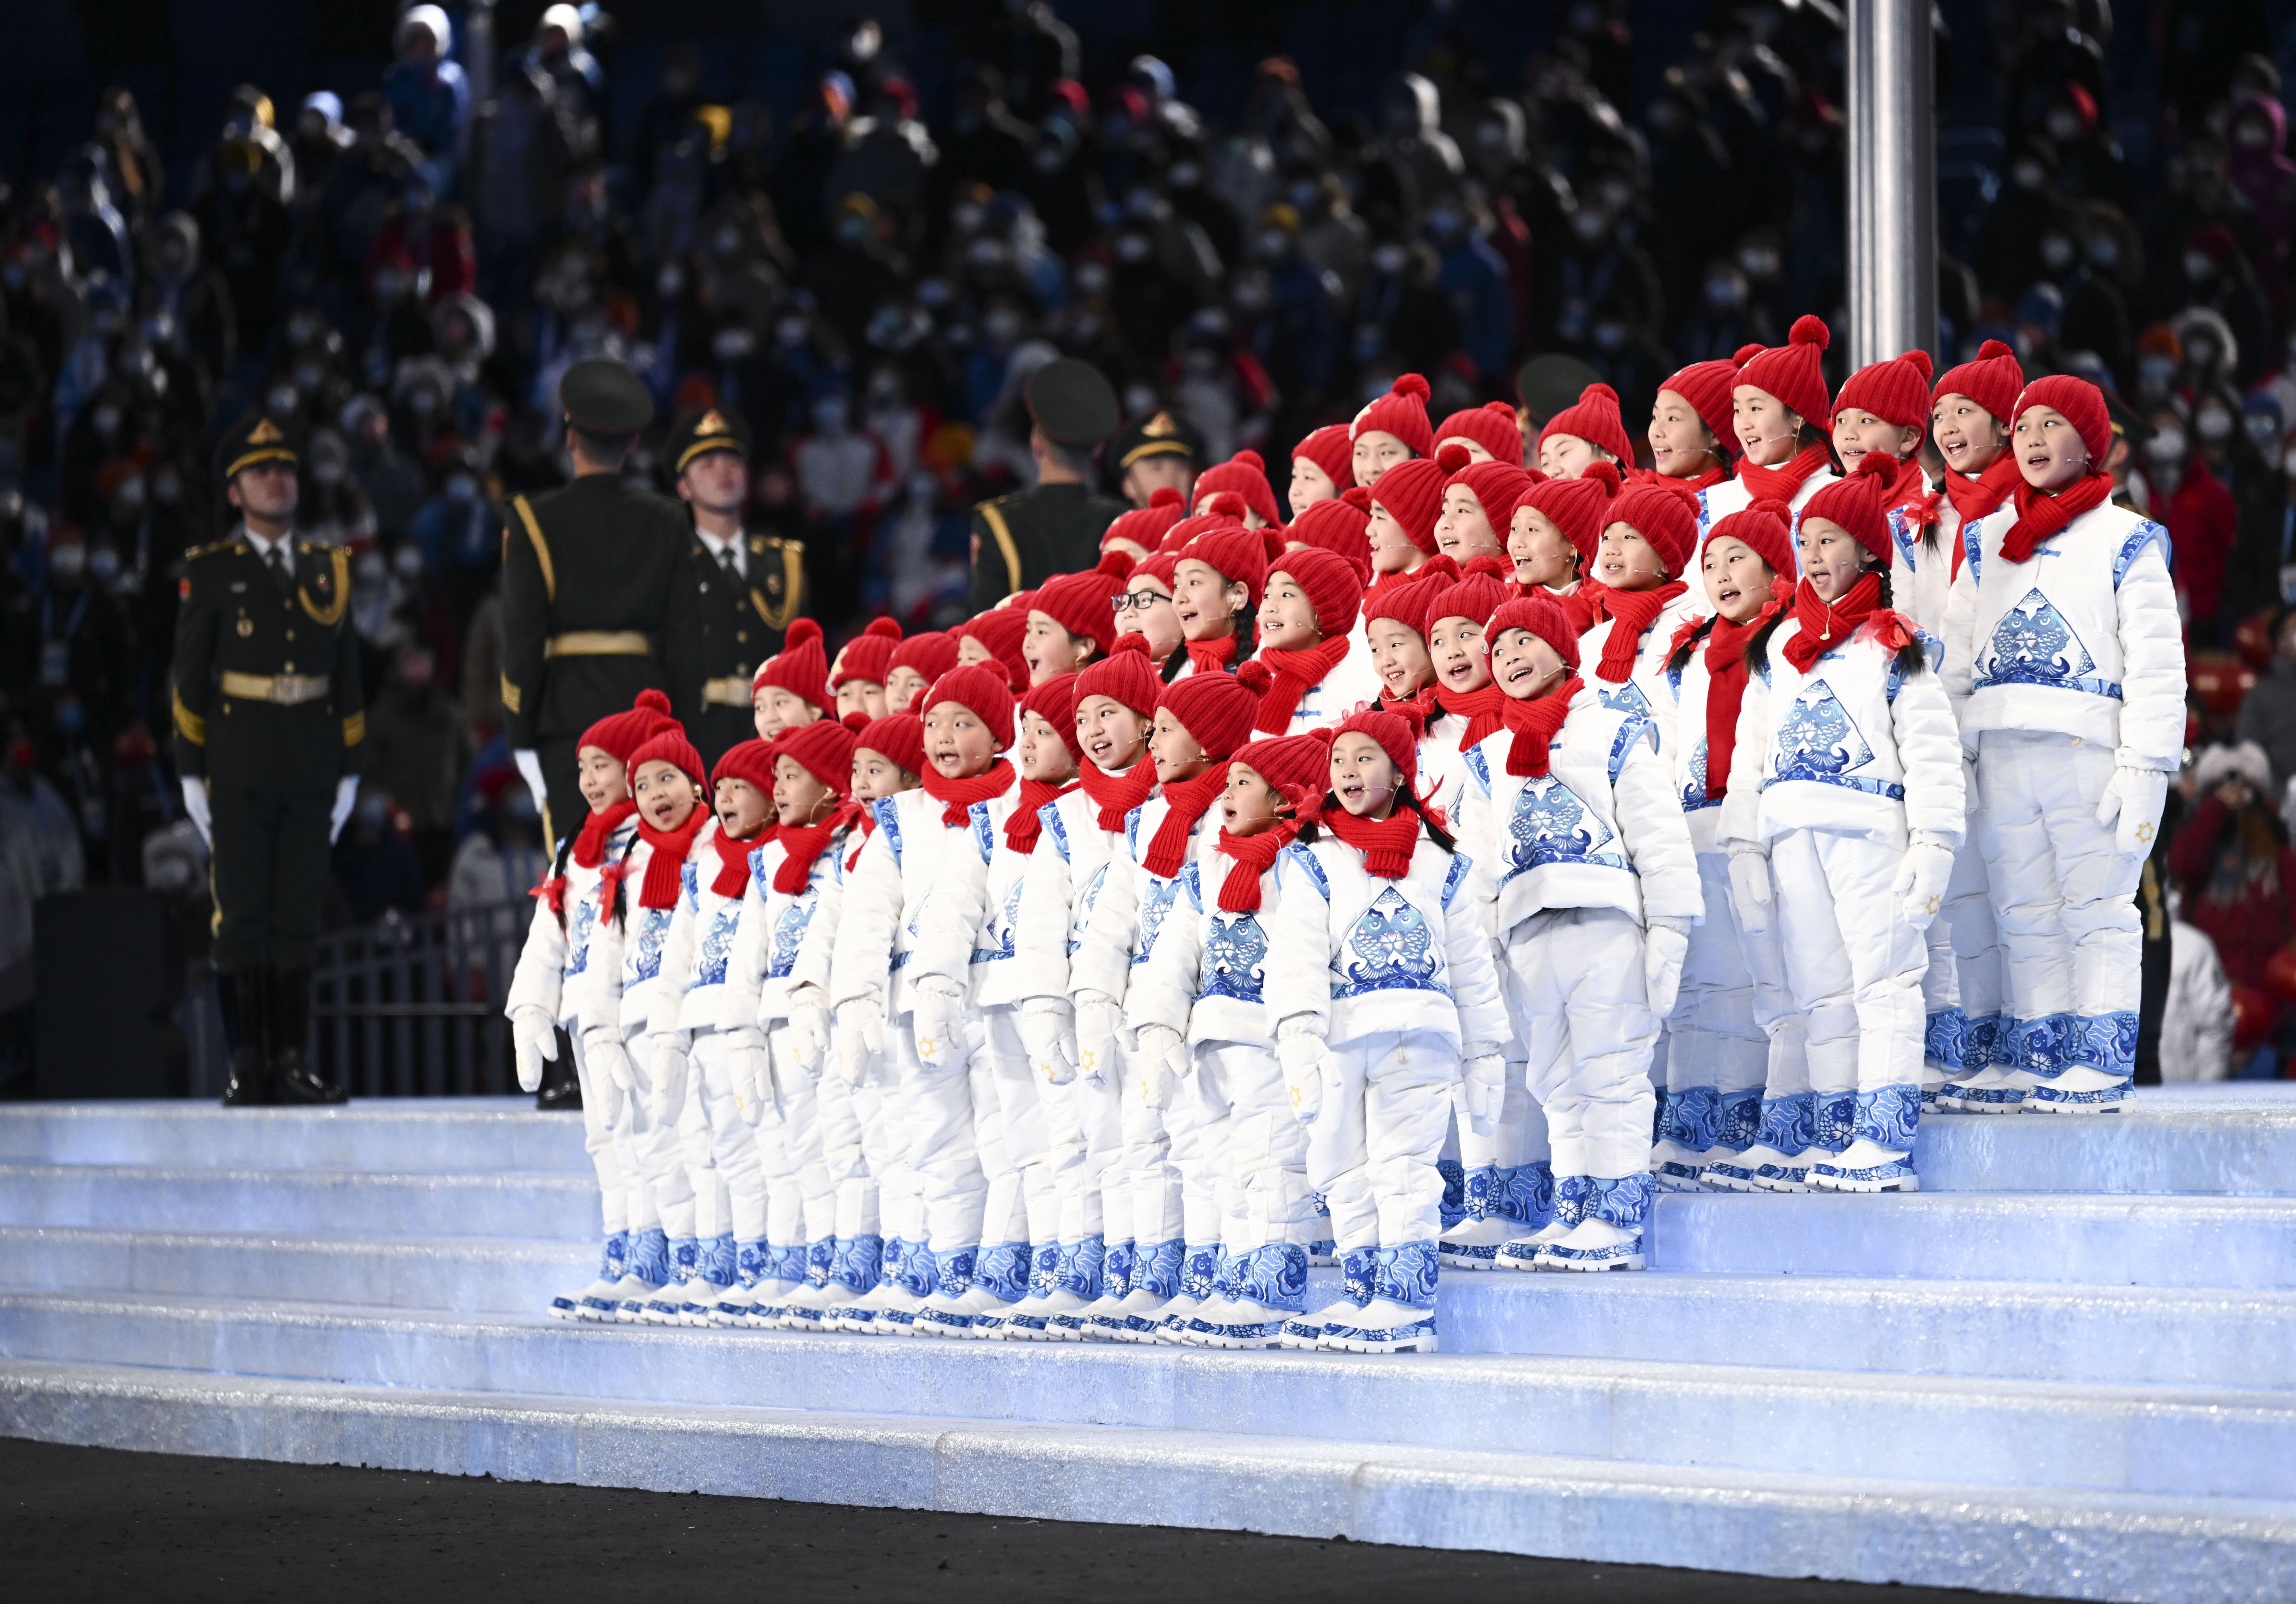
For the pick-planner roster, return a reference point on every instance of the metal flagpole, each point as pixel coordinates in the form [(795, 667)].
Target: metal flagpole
[(1893, 180)]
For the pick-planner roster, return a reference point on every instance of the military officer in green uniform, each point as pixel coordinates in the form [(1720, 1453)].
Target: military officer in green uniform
[(1159, 450), (587, 575), (1023, 540), (735, 592), (268, 726)]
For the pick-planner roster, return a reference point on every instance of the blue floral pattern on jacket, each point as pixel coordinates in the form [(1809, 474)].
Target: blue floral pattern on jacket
[(1236, 954), (1393, 949)]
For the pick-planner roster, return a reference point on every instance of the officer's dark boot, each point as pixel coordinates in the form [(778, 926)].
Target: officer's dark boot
[(251, 1053), (561, 1089), (293, 1080)]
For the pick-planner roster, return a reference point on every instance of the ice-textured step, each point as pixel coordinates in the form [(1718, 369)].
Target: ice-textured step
[(479, 1274), (2203, 1442), (2034, 1329), (1944, 1532), (409, 1133), (2176, 1139), (2184, 1241), (561, 1206)]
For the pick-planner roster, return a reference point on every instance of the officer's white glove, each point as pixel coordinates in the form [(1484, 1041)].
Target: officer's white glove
[(602, 1049), (2131, 806), (668, 1050), (860, 1037), (937, 1009), (1048, 1036), (751, 1068), (1482, 1089), (1663, 947), (529, 769), (1300, 1053), (1749, 887), (1097, 1021), (1922, 876), (346, 798), (1163, 1059), (195, 807), (533, 1037), (807, 1037)]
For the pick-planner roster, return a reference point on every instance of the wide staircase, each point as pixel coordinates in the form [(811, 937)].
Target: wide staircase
[(2063, 1369)]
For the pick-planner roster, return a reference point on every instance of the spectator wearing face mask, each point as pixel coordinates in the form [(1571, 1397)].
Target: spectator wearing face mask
[(2233, 861), (2212, 275), (2267, 713), (2200, 517)]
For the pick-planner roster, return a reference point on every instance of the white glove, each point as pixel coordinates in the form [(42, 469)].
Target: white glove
[(807, 1038), (1163, 1059), (1663, 945), (195, 807), (1968, 783), (1482, 1089), (668, 1077), (529, 769), (2133, 801), (1048, 1035), (1749, 887), (860, 1037), (1098, 1019), (533, 1037), (937, 1016), (602, 1049), (750, 1067), (1922, 876), (1300, 1053), (346, 798)]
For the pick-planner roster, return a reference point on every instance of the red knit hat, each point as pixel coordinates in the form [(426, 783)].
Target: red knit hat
[(1224, 510), (1157, 566), (753, 760), (1496, 487), (1215, 708), (618, 734), (1992, 380), (1396, 729), (2081, 402), (1895, 391), (1407, 604), (932, 653), (1402, 413), (1480, 590), (899, 737), (1765, 526), (1577, 507), (1079, 602), (1146, 527), (1856, 503), (1706, 387), (1246, 475), (1337, 525), (1333, 585), (1298, 766), (1794, 373), (801, 667), (1664, 516), (976, 686), (1595, 419), (1055, 702), (1236, 554), (823, 750), (1000, 629), (1124, 675), (1412, 492), (1490, 426), (1543, 616), (669, 745), (1331, 448), (869, 655)]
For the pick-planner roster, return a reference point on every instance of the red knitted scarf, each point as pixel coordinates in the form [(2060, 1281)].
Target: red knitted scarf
[(1785, 482), (1117, 794), (1253, 855), (1482, 710), (802, 844), (1210, 657), (1634, 612), (1535, 724), (1022, 829), (734, 858), (1704, 482), (2040, 514), (590, 842), (666, 862), (1725, 687), (957, 796), (1294, 674), (1184, 802), (1824, 628), (1386, 843)]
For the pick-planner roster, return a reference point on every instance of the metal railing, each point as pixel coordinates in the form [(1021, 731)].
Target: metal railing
[(411, 1005)]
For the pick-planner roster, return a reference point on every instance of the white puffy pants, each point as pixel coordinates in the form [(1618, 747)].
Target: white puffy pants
[(944, 1156), (1855, 964), (1717, 1053), (1238, 1149), (1573, 980), (622, 1198), (1100, 1203), (1500, 1169), (2063, 898), (1034, 1143), (732, 1143), (1372, 1146), (660, 1147)]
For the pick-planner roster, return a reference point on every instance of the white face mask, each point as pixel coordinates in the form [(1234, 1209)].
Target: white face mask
[(2215, 424), (2166, 446)]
